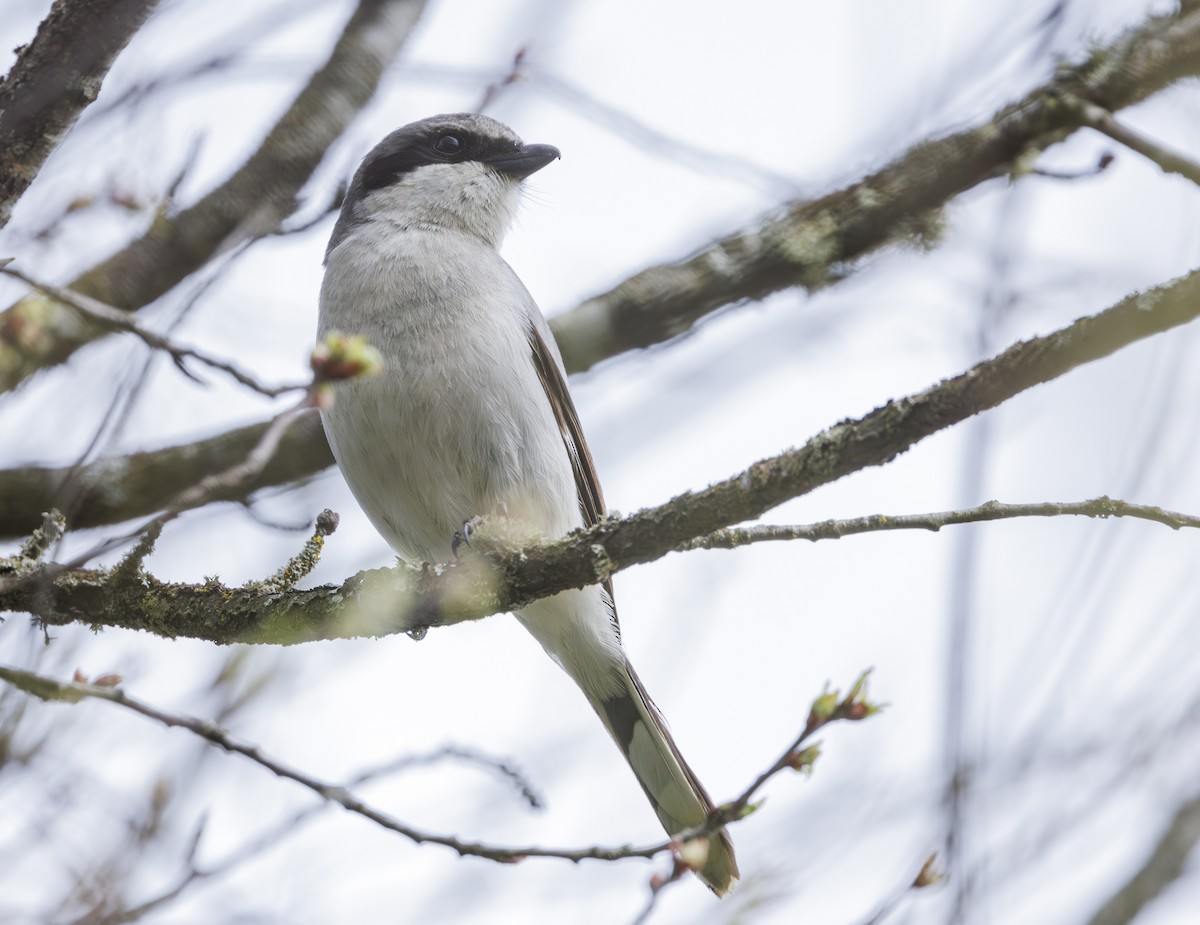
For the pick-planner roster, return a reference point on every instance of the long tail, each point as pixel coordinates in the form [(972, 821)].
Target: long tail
[(579, 631), (678, 798)]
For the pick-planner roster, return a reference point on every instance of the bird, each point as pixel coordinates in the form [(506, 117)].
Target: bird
[(471, 415)]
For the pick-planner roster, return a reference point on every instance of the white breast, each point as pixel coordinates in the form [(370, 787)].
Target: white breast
[(457, 425)]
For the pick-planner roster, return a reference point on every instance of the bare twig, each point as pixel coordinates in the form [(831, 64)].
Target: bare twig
[(1104, 122), (123, 321), (272, 836), (829, 707), (304, 561), (1104, 507), (928, 875), (493, 90), (51, 690)]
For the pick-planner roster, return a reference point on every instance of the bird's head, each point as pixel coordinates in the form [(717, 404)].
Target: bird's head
[(461, 171)]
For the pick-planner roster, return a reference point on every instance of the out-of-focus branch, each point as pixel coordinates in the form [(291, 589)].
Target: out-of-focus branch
[(1164, 866), (56, 77), (230, 481), (814, 243), (733, 537), (411, 599), (123, 321), (38, 332), (1102, 121), (929, 874), (194, 873), (124, 488)]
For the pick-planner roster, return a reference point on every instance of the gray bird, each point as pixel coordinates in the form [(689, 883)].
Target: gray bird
[(472, 415)]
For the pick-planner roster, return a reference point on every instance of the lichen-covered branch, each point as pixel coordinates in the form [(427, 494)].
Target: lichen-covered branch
[(814, 243), (411, 599), (55, 77), (733, 537), (123, 488), (37, 331), (662, 302)]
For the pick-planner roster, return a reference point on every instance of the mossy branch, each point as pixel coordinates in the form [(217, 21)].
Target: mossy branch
[(409, 600)]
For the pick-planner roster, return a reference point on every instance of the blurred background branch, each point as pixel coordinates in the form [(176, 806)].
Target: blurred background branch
[(37, 332), (55, 77)]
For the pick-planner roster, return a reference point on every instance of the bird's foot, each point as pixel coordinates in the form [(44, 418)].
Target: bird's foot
[(463, 537)]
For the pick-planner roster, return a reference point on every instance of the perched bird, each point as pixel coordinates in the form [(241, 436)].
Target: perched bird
[(472, 416)]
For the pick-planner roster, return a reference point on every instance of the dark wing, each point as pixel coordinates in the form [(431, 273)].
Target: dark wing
[(587, 485)]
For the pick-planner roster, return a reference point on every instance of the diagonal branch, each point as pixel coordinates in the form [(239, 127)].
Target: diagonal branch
[(37, 332), (56, 77), (1169, 161), (51, 690), (1165, 865), (111, 491), (827, 708), (411, 599), (813, 244)]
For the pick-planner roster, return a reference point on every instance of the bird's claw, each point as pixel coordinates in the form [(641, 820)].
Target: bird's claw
[(463, 537)]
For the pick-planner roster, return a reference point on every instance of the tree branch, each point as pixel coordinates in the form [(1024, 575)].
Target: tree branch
[(829, 707), (884, 207), (50, 690), (733, 537), (124, 322), (118, 489), (814, 243), (1163, 867), (410, 599), (56, 77), (1168, 161), (37, 332)]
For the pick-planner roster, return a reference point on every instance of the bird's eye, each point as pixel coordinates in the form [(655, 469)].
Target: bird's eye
[(448, 145)]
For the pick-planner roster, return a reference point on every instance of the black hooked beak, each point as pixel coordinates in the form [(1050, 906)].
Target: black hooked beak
[(526, 160)]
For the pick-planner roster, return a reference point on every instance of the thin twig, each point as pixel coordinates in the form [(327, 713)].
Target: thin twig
[(1104, 122), (273, 835), (1102, 507), (217, 485), (124, 321), (49, 689), (827, 708), (928, 875)]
